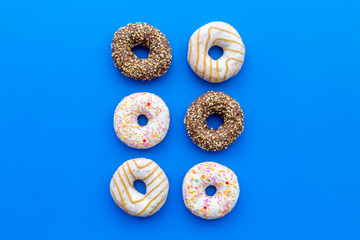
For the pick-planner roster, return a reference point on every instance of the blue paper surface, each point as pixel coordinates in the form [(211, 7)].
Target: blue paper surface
[(297, 160)]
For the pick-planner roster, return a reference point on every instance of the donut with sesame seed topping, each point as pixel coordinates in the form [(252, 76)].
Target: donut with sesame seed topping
[(227, 108), (126, 123), (141, 34), (206, 174)]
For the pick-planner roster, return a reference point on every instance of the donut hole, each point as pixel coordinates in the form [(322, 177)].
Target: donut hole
[(214, 121), (141, 51), (215, 52), (140, 186), (142, 120), (210, 190)]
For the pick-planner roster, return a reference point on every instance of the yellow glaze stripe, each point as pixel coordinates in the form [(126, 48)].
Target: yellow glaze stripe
[(207, 42), (190, 48), (147, 205), (121, 197), (128, 180), (112, 193), (151, 173), (128, 193), (142, 166), (233, 50), (228, 40), (154, 179), (236, 71), (157, 205), (210, 70), (132, 174), (226, 63), (197, 56), (217, 71)]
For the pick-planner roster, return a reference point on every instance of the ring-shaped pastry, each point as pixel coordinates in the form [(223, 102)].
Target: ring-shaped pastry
[(128, 198), (141, 34), (227, 108), (126, 125), (205, 174), (216, 34)]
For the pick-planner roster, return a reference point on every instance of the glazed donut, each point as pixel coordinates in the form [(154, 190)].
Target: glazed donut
[(227, 108), (205, 174), (216, 34), (125, 120), (128, 198), (142, 34)]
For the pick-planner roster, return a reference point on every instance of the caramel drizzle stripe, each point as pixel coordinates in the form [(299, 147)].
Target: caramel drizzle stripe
[(132, 174), (226, 63), (157, 205), (154, 179), (236, 71), (233, 50), (228, 40), (142, 166), (217, 71), (128, 193), (210, 69), (147, 205), (207, 42), (151, 173), (228, 31), (112, 193), (190, 49), (197, 56), (121, 197), (128, 180)]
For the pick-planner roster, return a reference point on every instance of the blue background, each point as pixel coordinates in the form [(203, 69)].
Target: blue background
[(297, 160)]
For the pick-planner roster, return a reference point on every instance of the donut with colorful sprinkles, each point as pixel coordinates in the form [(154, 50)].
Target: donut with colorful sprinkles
[(205, 174), (126, 124)]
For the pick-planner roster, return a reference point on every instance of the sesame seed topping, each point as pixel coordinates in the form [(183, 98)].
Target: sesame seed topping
[(214, 102), (141, 34)]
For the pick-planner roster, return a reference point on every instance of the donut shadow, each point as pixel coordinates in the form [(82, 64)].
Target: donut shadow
[(127, 80), (193, 219), (131, 221), (133, 151)]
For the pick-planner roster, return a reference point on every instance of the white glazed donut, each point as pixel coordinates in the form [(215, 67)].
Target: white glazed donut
[(216, 34), (128, 198), (126, 124), (205, 174)]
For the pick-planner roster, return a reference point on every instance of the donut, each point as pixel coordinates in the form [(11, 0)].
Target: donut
[(227, 108), (135, 34), (125, 120), (216, 34), (128, 198), (205, 174)]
